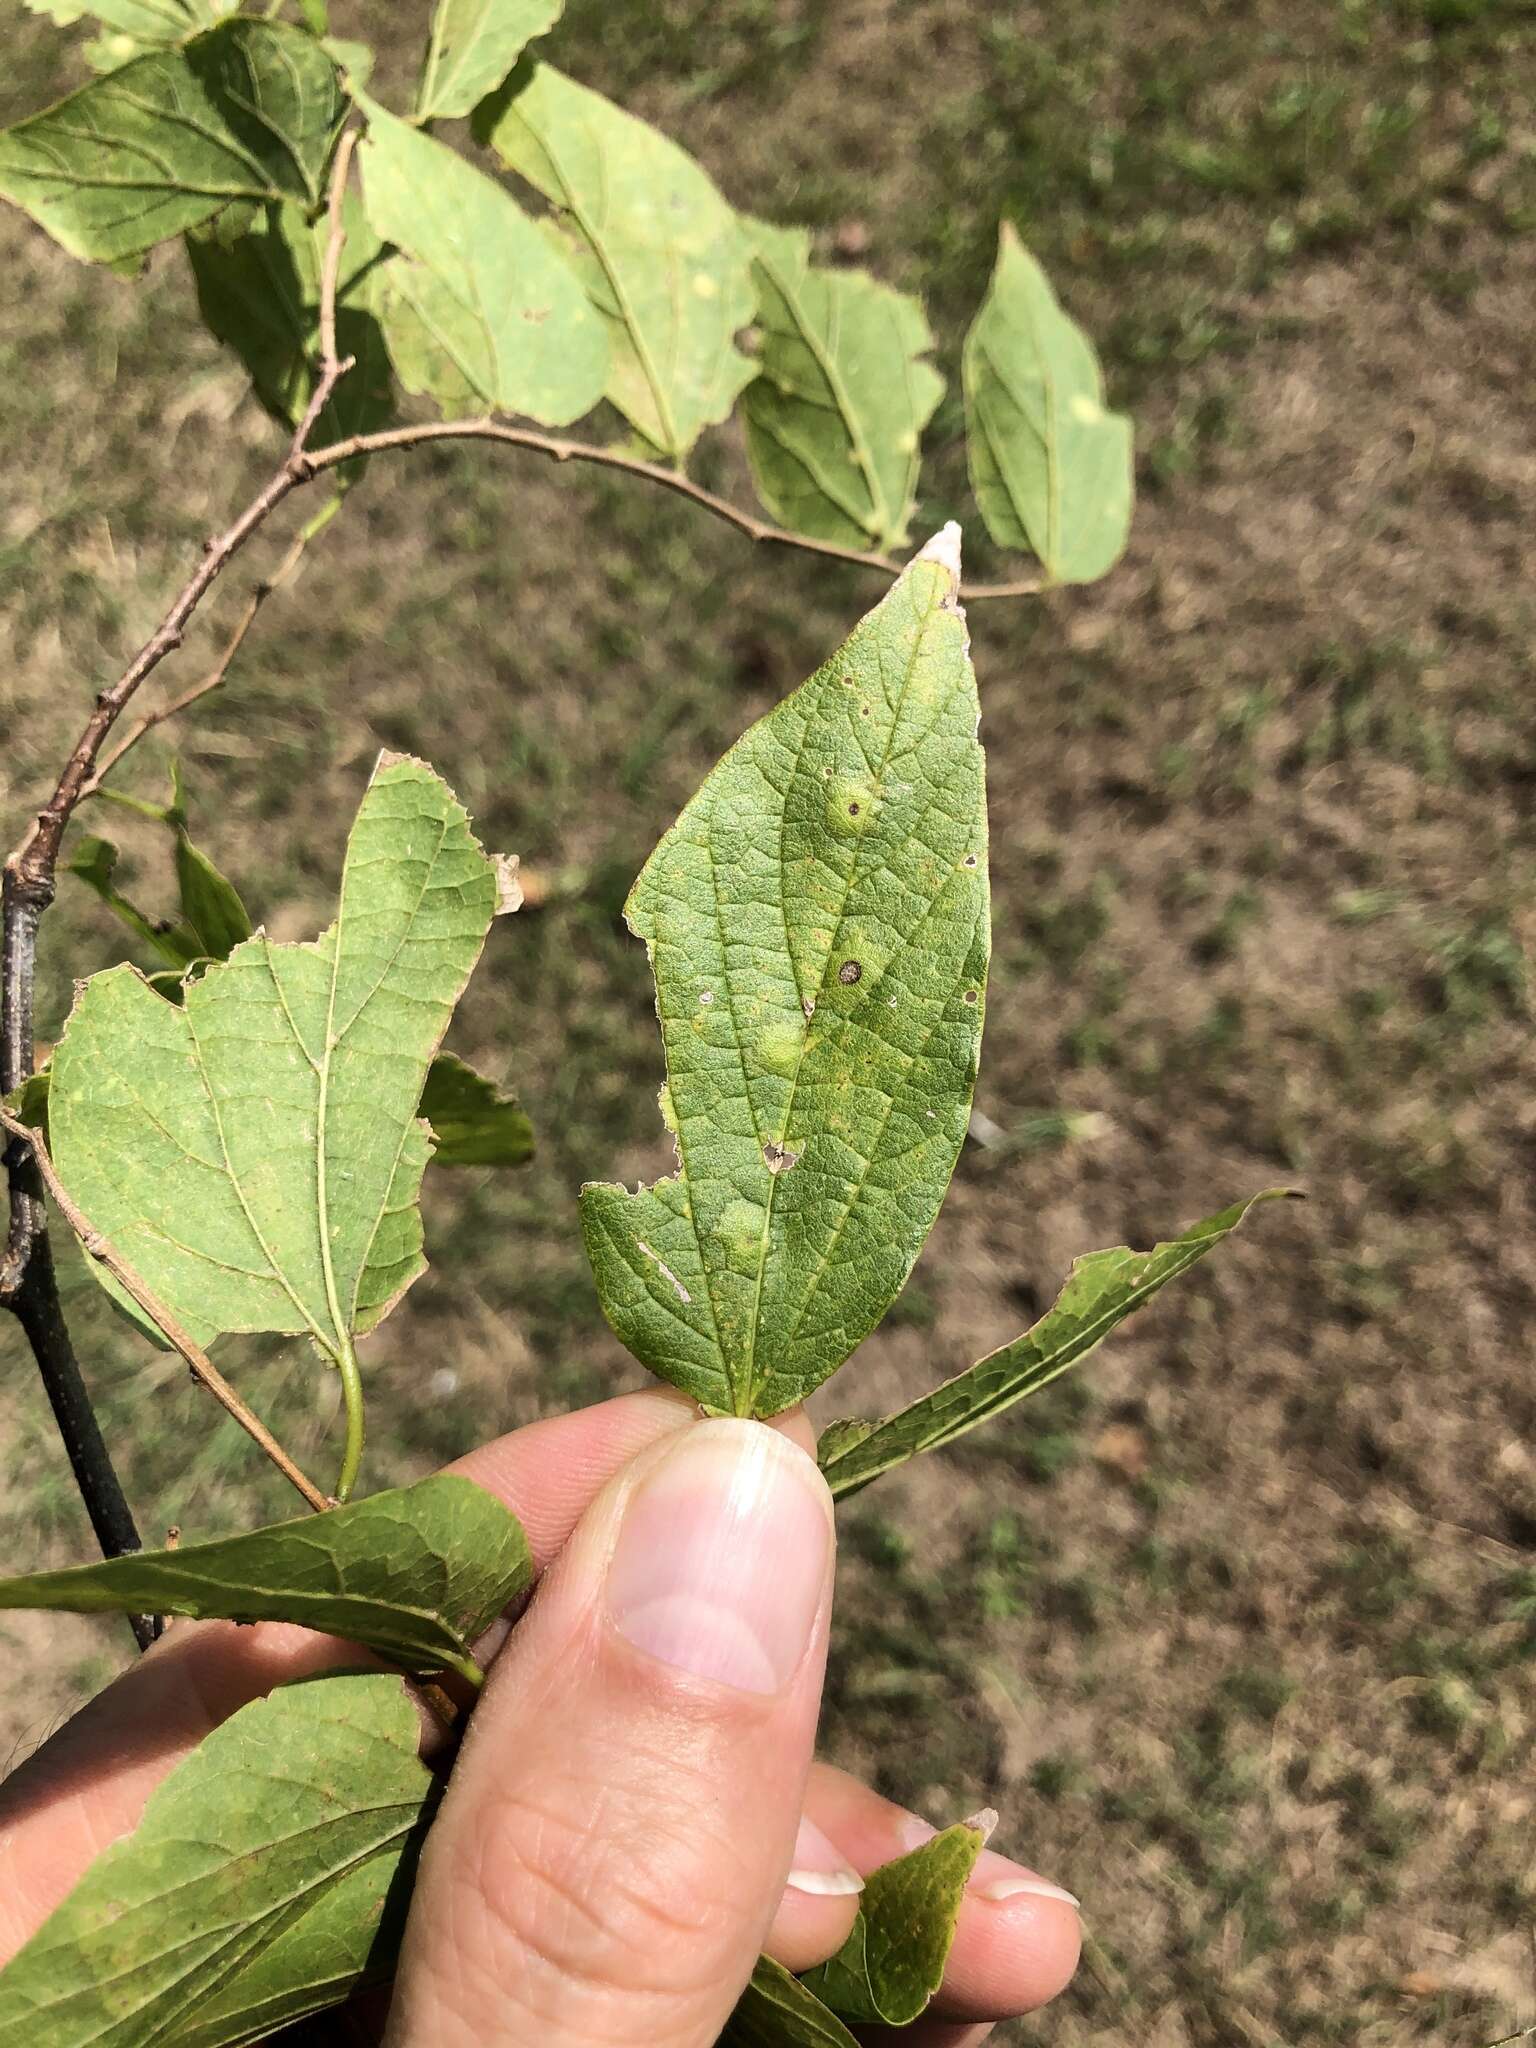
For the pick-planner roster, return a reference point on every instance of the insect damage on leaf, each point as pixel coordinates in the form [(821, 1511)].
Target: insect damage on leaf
[(818, 990)]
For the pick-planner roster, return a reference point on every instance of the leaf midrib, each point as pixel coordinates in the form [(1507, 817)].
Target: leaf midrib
[(794, 1086)]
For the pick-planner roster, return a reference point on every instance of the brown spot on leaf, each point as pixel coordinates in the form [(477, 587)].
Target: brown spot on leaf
[(849, 973), (779, 1158)]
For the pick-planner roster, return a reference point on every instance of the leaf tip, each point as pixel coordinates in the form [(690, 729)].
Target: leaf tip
[(943, 548), (509, 888)]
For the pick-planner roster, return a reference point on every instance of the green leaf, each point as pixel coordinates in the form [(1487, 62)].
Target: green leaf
[(474, 1123), (282, 1849), (95, 863), (29, 1103), (210, 904), (255, 1155), (1050, 465), (1102, 1289), (141, 21), (474, 44), (818, 930), (834, 420), (659, 251), (893, 1962), (246, 112), (503, 308), (418, 1573), (260, 296), (777, 2011)]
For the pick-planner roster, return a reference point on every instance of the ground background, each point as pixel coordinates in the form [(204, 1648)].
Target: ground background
[(1235, 1630)]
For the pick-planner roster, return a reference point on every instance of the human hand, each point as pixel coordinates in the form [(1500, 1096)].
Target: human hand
[(633, 1814)]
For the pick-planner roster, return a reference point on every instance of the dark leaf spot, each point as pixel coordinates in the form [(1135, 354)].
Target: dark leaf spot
[(850, 971)]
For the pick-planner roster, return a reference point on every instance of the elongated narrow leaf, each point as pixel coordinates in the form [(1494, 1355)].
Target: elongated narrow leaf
[(246, 112), (95, 863), (1102, 1289), (210, 902), (474, 44), (287, 1837), (255, 1155), (659, 251), (502, 308), (777, 2011), (474, 1123), (261, 296), (834, 421), (1050, 465), (893, 1961), (818, 930), (418, 1572)]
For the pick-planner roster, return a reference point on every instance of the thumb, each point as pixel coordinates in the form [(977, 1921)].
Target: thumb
[(616, 1834)]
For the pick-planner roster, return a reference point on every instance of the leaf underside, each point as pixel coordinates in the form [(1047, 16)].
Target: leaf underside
[(1050, 465), (777, 2011), (261, 297), (479, 306), (661, 255), (893, 1960), (246, 112), (199, 1935), (1102, 1289), (835, 418), (255, 1155), (474, 1123), (417, 1573), (817, 922), (474, 44)]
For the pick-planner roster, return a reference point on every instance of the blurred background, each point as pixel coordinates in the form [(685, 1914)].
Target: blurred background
[(1235, 1627)]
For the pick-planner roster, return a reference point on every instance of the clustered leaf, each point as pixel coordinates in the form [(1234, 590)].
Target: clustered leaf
[(268, 1877), (1050, 466), (246, 112), (255, 1154), (477, 285), (473, 45), (817, 923), (835, 419), (260, 295), (417, 1573), (661, 255)]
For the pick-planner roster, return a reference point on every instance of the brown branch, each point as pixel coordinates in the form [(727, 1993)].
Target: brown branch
[(215, 676), (203, 1369), (560, 449), (28, 1286)]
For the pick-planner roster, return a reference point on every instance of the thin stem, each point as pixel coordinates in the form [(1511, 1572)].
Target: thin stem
[(220, 669), (352, 1396), (560, 449), (203, 1369)]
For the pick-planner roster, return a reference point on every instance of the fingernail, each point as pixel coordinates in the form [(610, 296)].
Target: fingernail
[(820, 1868), (721, 1560), (995, 1878)]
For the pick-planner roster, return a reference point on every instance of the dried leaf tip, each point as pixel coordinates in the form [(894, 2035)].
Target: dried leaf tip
[(943, 548), (985, 1822), (509, 887)]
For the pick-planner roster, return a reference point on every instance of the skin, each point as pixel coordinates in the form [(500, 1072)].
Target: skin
[(613, 1849)]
